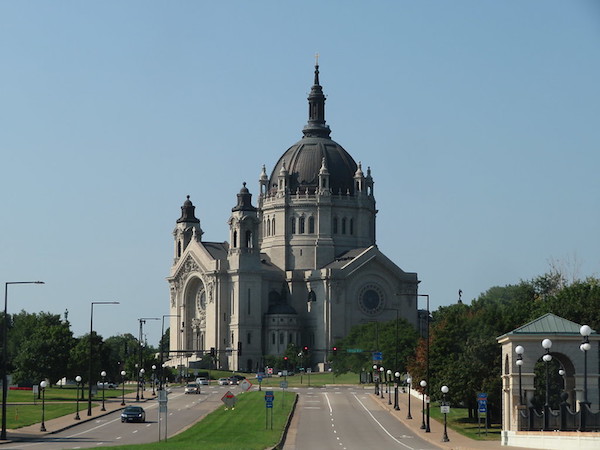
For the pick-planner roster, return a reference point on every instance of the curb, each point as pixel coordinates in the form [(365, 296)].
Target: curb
[(281, 443)]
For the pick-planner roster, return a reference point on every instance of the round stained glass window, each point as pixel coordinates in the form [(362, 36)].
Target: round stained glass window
[(371, 299)]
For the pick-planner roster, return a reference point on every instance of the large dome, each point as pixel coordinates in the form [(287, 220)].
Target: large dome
[(304, 159)]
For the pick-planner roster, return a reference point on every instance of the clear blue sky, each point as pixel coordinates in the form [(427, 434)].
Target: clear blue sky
[(479, 119)]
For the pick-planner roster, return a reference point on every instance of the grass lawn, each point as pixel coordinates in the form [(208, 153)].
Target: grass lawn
[(459, 421), (243, 427), (18, 416), (57, 394)]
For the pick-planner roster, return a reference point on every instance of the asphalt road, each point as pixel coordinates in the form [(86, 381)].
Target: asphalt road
[(347, 418), (183, 410)]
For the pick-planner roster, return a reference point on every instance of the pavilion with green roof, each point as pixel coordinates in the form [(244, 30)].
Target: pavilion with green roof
[(565, 341)]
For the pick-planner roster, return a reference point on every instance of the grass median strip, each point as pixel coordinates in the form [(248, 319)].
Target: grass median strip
[(244, 427)]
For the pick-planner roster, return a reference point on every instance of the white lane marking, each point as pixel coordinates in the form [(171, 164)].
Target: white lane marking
[(135, 431), (328, 403), (312, 407), (382, 427)]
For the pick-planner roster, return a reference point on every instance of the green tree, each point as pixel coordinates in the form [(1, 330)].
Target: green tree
[(44, 354), (396, 341)]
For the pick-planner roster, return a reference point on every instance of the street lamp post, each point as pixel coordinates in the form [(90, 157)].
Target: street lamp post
[(78, 381), (89, 411), (153, 379), (519, 350), (423, 384), (547, 344), (43, 385), (382, 375), (123, 373), (103, 375), (141, 382), (389, 377), (376, 378), (5, 351), (397, 380), (585, 346), (445, 410), (409, 384)]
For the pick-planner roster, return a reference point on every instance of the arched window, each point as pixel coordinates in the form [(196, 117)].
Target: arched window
[(311, 225), (351, 226), (268, 223), (344, 225), (178, 249), (273, 226), (335, 225), (235, 239), (293, 225), (248, 239), (301, 225)]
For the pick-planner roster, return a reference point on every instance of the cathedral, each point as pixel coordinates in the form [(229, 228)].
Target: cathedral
[(301, 266)]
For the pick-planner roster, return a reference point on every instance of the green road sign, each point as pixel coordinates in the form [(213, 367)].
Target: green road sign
[(354, 350)]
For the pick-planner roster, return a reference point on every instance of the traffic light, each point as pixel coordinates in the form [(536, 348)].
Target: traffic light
[(305, 349), (334, 351)]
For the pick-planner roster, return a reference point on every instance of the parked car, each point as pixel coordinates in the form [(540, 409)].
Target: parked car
[(223, 381), (192, 388), (202, 380), (133, 414)]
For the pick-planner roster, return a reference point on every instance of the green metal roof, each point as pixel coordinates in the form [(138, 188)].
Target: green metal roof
[(548, 324)]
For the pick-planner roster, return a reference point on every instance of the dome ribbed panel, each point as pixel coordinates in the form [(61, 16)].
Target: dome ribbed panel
[(303, 161)]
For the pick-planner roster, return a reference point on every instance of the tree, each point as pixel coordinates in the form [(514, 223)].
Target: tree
[(44, 353), (395, 340)]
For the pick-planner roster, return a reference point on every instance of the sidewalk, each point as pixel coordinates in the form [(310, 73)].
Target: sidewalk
[(33, 432), (456, 441)]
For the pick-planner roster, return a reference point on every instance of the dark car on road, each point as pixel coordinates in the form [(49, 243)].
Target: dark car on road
[(133, 414)]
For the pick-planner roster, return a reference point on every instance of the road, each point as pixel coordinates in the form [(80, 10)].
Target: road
[(347, 418), (183, 410)]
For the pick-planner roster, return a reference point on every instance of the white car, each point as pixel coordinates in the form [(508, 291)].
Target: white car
[(192, 388), (203, 381), (223, 381)]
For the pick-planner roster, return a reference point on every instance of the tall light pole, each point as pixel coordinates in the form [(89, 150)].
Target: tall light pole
[(5, 351), (519, 350), (376, 378), (162, 365), (153, 379), (89, 411), (78, 381), (142, 322), (382, 374)]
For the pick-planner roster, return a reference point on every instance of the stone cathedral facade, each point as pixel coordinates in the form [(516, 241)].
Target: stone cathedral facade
[(301, 265)]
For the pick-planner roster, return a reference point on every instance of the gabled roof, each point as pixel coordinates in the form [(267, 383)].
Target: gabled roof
[(548, 324)]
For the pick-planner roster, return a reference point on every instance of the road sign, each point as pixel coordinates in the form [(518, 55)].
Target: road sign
[(229, 399), (245, 385), (283, 385), (270, 370), (354, 350), (259, 378), (445, 409), (269, 396), (284, 373), (377, 356), (482, 402)]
